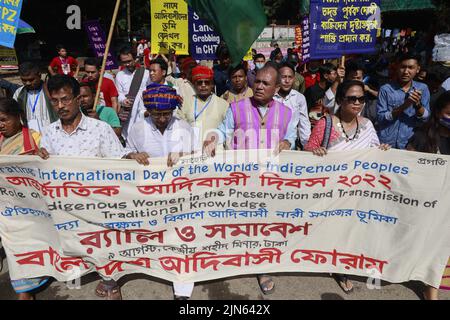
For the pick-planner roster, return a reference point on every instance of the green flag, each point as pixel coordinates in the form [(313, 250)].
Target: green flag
[(304, 7), (238, 22)]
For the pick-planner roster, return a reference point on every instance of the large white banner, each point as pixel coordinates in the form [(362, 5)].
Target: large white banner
[(370, 213)]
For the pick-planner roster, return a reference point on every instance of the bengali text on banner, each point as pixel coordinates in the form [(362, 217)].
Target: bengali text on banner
[(372, 213)]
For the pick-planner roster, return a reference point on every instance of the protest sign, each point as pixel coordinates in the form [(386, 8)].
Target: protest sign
[(97, 41), (8, 58), (306, 40), (341, 27), (170, 26), (9, 21), (202, 38), (356, 212)]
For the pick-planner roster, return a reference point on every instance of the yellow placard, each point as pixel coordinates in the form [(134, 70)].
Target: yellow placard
[(249, 55), (170, 27), (8, 57)]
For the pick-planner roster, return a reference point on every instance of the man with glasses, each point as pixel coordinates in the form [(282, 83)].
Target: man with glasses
[(80, 136), (124, 78), (162, 134), (204, 111)]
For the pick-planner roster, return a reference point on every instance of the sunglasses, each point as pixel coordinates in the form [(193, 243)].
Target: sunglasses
[(161, 115), (203, 82), (353, 99)]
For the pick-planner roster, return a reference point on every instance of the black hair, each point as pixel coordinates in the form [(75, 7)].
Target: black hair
[(420, 142), (93, 62), (286, 65), (354, 66), (236, 69), (59, 47), (345, 86), (28, 68), (326, 69), (59, 81), (126, 50), (11, 107), (90, 86), (162, 63), (271, 65), (222, 51), (408, 56), (259, 55), (432, 126)]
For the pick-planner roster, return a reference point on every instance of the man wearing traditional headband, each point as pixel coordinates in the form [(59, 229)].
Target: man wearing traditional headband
[(204, 111), (161, 134)]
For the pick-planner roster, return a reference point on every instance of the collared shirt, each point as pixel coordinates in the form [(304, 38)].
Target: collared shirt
[(37, 109), (123, 83), (145, 137), (91, 138), (397, 132), (227, 127), (203, 116), (137, 113), (297, 103), (232, 97)]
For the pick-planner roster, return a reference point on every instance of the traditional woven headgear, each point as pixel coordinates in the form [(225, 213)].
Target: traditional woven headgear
[(202, 73), (161, 97)]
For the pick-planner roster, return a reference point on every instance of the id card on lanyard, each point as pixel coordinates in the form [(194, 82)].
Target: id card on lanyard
[(33, 123), (196, 129)]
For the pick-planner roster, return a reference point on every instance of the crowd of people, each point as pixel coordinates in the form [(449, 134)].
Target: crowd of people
[(170, 107)]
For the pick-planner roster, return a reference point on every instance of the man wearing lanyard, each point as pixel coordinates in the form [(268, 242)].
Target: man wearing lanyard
[(33, 98), (204, 111)]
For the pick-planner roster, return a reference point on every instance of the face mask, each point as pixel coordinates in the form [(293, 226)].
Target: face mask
[(259, 65), (445, 122)]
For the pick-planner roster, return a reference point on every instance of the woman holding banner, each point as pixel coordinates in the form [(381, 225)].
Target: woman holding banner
[(345, 130), (435, 138), (17, 139)]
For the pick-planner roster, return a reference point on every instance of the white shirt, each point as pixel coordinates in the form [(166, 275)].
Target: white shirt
[(145, 137), (91, 138), (137, 113), (446, 85), (297, 103), (329, 101), (123, 83), (38, 118)]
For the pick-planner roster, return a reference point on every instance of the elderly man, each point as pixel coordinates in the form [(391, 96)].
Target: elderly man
[(294, 100), (162, 134), (204, 111), (249, 123), (77, 135)]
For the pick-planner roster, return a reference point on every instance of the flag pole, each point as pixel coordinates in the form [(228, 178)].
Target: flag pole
[(105, 56)]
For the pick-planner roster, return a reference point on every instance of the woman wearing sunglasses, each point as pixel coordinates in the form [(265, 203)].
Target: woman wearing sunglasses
[(345, 130)]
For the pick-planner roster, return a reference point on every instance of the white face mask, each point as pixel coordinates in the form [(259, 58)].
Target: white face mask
[(260, 65)]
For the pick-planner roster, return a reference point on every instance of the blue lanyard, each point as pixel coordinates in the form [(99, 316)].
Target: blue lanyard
[(196, 115), (33, 108)]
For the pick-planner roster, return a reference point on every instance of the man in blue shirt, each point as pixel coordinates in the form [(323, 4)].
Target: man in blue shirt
[(403, 104)]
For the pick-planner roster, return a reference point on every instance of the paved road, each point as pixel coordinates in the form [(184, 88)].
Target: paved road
[(289, 286)]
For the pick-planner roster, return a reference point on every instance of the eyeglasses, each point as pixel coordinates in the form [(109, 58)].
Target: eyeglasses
[(203, 82), (353, 99), (165, 115), (65, 101)]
